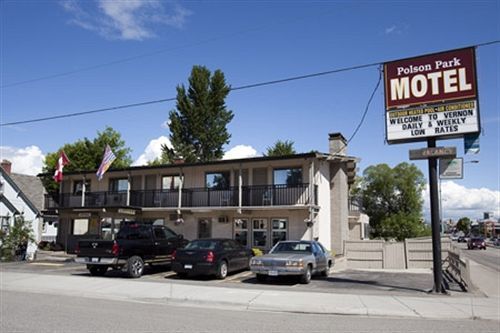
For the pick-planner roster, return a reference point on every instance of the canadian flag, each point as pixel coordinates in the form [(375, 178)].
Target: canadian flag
[(61, 162)]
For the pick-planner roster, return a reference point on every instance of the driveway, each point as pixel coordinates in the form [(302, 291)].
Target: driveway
[(367, 282)]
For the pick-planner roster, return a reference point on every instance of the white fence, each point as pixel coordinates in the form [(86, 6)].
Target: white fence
[(412, 253)]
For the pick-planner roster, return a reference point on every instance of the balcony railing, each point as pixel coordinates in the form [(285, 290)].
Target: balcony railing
[(251, 196)]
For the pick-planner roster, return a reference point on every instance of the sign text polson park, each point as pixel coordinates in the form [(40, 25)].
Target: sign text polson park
[(431, 96)]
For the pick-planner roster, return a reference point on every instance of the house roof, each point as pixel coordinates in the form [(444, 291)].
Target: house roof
[(26, 184), (32, 187), (219, 162)]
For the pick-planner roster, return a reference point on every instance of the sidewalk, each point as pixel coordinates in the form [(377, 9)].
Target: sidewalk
[(429, 306), (55, 256)]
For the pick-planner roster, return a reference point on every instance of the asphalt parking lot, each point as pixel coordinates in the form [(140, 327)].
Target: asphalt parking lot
[(371, 282)]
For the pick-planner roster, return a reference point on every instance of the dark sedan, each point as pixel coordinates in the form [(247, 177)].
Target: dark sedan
[(211, 257), (476, 243)]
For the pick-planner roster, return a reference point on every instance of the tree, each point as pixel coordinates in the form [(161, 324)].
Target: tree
[(281, 148), (198, 124), (463, 225), (391, 197), (86, 154), (15, 242)]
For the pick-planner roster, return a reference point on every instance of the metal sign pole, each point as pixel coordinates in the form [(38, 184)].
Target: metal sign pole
[(435, 223)]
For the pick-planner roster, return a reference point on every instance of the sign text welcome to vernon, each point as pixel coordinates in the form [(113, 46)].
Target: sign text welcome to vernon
[(431, 96)]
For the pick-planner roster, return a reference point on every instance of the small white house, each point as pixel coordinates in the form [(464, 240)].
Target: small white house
[(21, 195)]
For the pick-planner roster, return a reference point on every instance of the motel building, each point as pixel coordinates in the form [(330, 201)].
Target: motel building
[(257, 201)]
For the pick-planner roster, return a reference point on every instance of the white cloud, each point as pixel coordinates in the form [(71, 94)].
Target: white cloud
[(28, 160), (240, 151), (127, 20), (153, 150), (458, 201), (390, 30)]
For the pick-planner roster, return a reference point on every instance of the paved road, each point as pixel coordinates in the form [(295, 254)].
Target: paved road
[(26, 312), (489, 258), (349, 281)]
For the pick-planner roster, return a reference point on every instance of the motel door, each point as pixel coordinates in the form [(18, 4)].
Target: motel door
[(205, 228)]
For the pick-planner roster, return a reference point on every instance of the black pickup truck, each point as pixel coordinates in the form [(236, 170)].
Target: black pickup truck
[(135, 244)]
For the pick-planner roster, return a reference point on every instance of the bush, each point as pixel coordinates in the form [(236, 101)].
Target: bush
[(257, 252)]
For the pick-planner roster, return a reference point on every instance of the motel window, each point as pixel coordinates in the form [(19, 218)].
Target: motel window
[(217, 180), (170, 183), (118, 185), (78, 187), (80, 226), (279, 230), (241, 231), (259, 232), (290, 176), (5, 220)]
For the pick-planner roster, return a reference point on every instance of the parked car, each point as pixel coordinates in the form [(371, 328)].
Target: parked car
[(135, 245), (300, 258), (496, 242), (476, 242), (217, 256), (454, 237), (461, 239)]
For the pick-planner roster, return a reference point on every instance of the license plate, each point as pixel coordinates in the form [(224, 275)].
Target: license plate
[(95, 259), (273, 273), (188, 266)]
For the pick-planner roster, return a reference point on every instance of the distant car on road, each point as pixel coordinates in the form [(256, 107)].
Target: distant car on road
[(461, 239), (454, 237), (476, 242), (300, 258), (211, 257)]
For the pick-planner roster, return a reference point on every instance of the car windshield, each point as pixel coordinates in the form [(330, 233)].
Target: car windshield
[(292, 247), (201, 245)]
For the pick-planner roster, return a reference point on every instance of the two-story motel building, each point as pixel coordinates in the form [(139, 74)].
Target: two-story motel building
[(256, 201)]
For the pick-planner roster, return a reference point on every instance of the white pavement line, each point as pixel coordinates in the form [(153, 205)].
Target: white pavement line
[(238, 276), (45, 264), (169, 274)]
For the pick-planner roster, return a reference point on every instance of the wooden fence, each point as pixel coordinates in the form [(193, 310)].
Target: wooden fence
[(412, 253)]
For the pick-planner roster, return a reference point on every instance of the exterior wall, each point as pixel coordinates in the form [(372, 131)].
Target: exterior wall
[(339, 195), (11, 194), (194, 176), (324, 215)]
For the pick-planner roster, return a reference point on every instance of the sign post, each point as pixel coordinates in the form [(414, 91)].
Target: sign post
[(429, 98)]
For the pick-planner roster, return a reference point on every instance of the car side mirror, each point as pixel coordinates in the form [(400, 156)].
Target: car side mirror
[(180, 237)]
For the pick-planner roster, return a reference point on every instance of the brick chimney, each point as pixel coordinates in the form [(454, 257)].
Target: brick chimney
[(7, 166), (337, 144)]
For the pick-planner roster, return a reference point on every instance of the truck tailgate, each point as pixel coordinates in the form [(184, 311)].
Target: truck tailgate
[(95, 248)]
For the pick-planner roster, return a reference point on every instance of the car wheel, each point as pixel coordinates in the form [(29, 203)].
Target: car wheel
[(98, 270), (326, 272), (222, 270), (261, 277), (135, 267), (306, 277)]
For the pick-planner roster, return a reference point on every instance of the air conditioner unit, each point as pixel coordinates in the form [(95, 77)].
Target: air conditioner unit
[(223, 219)]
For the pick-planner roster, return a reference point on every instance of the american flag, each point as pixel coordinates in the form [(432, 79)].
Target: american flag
[(107, 159)]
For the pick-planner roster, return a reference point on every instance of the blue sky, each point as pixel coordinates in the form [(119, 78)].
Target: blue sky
[(250, 41)]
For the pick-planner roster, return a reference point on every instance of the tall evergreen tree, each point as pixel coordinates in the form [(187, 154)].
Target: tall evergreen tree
[(198, 125)]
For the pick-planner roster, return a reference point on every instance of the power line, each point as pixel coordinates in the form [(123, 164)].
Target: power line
[(249, 86), (119, 107)]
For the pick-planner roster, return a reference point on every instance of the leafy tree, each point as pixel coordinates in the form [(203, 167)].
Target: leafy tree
[(463, 225), (391, 197), (15, 241), (86, 154), (198, 124), (281, 148)]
